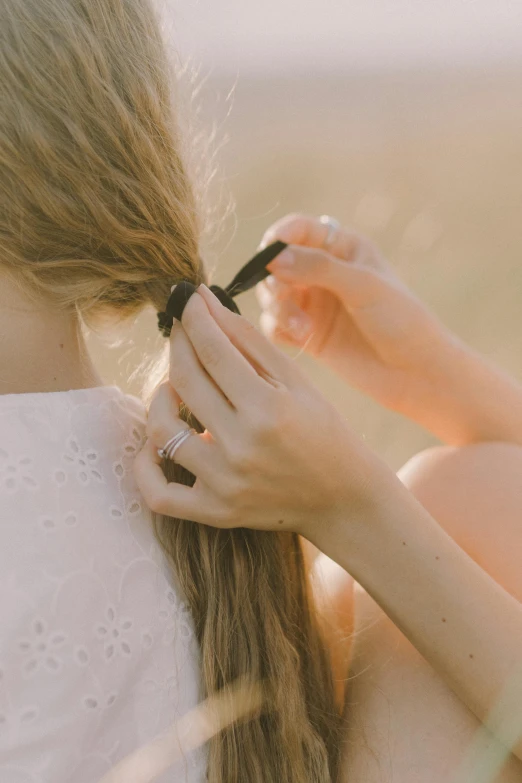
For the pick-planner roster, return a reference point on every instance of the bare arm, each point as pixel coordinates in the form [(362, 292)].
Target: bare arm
[(468, 400), (349, 309), (466, 625), (277, 456)]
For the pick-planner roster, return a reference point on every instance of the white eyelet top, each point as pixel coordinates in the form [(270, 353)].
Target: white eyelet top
[(97, 648)]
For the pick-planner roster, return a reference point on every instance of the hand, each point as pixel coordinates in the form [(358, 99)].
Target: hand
[(275, 454), (348, 308)]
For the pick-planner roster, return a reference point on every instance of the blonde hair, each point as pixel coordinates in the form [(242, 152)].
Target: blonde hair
[(97, 212)]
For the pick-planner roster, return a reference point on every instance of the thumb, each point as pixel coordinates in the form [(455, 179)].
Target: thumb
[(354, 284)]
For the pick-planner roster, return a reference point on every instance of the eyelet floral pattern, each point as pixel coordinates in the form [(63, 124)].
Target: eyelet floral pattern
[(40, 651), (84, 462), (94, 637), (16, 473), (114, 634)]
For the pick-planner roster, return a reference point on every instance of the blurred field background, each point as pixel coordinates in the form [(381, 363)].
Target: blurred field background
[(423, 153)]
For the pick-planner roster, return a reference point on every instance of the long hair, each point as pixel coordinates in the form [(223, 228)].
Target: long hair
[(98, 213)]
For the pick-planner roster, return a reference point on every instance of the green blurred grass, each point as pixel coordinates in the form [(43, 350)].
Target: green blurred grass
[(429, 164)]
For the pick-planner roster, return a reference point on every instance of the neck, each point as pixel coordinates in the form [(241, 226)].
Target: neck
[(41, 350)]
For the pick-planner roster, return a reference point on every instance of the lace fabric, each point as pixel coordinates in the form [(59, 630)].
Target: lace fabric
[(97, 648)]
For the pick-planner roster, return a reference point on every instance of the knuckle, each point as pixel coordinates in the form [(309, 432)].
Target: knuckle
[(155, 500), (263, 425), (295, 227), (233, 492), (155, 430), (246, 325), (178, 378), (273, 417), (319, 262), (239, 457), (291, 228), (208, 354), (244, 328)]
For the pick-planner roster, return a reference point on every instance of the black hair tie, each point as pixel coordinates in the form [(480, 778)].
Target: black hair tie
[(247, 277)]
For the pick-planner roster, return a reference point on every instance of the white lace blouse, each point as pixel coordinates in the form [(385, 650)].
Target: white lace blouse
[(97, 648)]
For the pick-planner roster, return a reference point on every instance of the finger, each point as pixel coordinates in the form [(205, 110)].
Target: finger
[(287, 319), (268, 361), (194, 386), (293, 228), (274, 332), (273, 289), (307, 230), (196, 454), (171, 499), (292, 322), (354, 284), (232, 372), (282, 292)]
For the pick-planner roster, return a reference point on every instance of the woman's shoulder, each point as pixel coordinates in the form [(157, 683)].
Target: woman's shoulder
[(78, 437), (333, 595)]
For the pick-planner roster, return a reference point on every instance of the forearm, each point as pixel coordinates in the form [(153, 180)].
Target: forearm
[(466, 626), (466, 399)]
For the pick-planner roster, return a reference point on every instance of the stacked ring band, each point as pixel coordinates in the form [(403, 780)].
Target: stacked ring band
[(171, 446)]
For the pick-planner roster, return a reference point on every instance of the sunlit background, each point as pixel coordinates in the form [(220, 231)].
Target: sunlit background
[(402, 118)]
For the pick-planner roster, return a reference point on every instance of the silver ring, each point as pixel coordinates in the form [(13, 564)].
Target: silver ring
[(171, 446), (333, 228)]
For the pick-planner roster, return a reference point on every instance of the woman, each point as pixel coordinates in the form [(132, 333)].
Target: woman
[(282, 459), (106, 639)]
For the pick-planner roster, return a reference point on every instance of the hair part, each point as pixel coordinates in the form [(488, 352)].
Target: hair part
[(98, 213)]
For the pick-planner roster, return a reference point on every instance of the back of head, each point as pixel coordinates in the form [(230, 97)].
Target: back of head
[(96, 209), (97, 213)]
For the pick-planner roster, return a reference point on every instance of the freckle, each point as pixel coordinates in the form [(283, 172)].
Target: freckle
[(443, 619), (471, 656), (281, 522), (61, 345), (437, 558), (404, 543)]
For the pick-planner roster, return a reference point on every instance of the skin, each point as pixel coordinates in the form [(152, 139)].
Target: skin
[(403, 721), (41, 349), (277, 455), (44, 351)]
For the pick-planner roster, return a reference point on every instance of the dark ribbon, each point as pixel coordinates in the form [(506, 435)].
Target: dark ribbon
[(247, 277)]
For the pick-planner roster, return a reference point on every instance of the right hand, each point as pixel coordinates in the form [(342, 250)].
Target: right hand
[(275, 455), (348, 308)]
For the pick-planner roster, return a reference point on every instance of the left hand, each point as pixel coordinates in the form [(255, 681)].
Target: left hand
[(346, 306), (275, 454)]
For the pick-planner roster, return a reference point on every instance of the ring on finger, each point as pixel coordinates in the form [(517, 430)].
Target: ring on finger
[(173, 444), (333, 227)]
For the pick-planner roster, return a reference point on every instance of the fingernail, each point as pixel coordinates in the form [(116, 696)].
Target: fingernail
[(299, 326), (213, 302), (208, 293), (284, 260), (267, 240)]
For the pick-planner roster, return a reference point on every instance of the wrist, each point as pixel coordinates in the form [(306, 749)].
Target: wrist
[(369, 538), (465, 399), (444, 397), (357, 501), (436, 370)]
